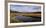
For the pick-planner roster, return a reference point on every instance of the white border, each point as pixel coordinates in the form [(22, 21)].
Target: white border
[(26, 23)]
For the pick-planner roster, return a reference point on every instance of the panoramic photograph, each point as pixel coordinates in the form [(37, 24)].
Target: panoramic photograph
[(25, 13)]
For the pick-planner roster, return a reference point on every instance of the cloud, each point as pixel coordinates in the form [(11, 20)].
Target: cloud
[(25, 8)]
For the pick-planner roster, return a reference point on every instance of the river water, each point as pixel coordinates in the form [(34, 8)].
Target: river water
[(28, 19)]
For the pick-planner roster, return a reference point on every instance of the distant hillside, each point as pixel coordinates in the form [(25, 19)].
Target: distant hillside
[(23, 12), (14, 11)]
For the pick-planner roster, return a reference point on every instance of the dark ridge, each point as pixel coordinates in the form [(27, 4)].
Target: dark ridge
[(14, 11), (23, 12)]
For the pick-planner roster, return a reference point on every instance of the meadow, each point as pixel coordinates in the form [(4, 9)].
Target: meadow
[(33, 15)]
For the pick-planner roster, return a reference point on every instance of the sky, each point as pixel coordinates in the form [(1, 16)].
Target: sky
[(25, 8)]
